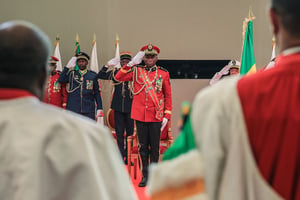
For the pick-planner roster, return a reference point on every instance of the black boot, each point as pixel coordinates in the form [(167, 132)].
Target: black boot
[(143, 182)]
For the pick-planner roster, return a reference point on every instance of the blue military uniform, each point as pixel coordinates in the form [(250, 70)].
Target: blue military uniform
[(83, 91)]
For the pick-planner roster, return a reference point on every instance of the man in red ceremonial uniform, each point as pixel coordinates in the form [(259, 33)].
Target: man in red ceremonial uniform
[(55, 93), (152, 102)]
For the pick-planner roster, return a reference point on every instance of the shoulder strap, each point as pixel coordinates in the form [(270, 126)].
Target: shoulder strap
[(150, 89)]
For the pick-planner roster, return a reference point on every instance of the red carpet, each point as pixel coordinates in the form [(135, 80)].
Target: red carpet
[(140, 191)]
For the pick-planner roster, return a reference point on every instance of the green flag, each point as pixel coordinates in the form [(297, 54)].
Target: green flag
[(185, 158), (77, 49), (185, 141), (248, 60)]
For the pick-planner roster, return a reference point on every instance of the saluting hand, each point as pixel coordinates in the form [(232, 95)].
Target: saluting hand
[(72, 62), (113, 62), (225, 70), (137, 59)]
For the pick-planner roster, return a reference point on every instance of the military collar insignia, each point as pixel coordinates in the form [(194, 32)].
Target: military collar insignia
[(82, 72), (152, 69)]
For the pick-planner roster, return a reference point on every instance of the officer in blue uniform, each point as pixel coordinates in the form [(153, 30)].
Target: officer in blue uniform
[(121, 101), (83, 87)]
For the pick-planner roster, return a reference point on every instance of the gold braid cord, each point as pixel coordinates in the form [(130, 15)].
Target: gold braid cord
[(71, 83), (135, 79)]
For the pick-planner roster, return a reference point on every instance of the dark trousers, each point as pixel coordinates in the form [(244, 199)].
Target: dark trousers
[(89, 115), (123, 123), (148, 134)]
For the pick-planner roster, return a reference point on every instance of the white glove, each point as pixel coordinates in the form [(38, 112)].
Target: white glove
[(100, 120), (72, 62), (99, 117), (113, 61), (163, 123), (137, 59), (225, 70)]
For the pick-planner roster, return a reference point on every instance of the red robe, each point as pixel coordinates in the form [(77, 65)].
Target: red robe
[(56, 93), (275, 95)]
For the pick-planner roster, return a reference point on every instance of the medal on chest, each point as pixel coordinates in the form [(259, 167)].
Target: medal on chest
[(89, 84), (158, 84), (56, 86)]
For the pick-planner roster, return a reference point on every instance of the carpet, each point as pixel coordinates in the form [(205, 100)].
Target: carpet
[(140, 191)]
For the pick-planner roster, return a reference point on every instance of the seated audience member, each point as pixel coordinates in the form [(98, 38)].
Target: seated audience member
[(47, 153), (242, 138)]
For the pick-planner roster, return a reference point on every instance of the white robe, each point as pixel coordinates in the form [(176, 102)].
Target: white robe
[(222, 158), (230, 171), (49, 154)]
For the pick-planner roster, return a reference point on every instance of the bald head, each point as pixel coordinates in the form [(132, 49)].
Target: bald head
[(24, 52)]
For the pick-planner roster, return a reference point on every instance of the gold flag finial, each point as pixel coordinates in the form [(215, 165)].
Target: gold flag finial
[(117, 40), (77, 37), (250, 14), (56, 39), (94, 38), (247, 19)]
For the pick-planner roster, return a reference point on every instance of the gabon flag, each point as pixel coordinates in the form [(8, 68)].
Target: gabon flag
[(248, 64)]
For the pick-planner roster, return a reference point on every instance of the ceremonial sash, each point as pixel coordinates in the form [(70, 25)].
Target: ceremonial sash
[(158, 105)]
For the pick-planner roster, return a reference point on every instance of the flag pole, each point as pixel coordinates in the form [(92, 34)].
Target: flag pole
[(117, 50), (56, 39), (56, 53), (273, 48), (248, 64), (94, 38), (117, 40), (245, 24)]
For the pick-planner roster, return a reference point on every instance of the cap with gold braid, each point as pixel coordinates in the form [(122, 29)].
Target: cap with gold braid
[(234, 64), (82, 55), (150, 49), (125, 55), (53, 60)]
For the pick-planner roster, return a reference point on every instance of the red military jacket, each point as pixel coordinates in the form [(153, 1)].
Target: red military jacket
[(144, 106), (56, 93)]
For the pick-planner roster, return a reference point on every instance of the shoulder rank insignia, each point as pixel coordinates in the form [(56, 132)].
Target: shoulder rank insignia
[(164, 69)]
